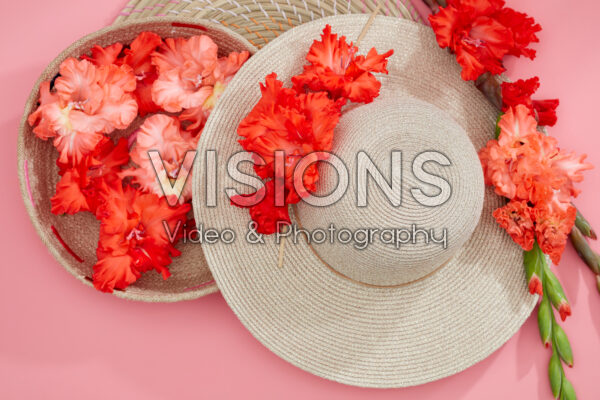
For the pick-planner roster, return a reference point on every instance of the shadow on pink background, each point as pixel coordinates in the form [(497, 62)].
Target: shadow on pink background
[(62, 340)]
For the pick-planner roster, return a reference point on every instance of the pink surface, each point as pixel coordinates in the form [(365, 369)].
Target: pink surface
[(60, 339)]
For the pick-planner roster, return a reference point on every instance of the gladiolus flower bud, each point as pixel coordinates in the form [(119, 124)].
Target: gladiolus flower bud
[(562, 344), (555, 375), (584, 226), (534, 262), (545, 321), (535, 285), (556, 294), (591, 258), (564, 309)]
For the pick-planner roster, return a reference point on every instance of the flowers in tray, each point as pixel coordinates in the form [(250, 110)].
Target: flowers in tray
[(300, 121), (164, 88)]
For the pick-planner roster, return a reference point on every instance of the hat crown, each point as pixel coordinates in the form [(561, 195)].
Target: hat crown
[(419, 216)]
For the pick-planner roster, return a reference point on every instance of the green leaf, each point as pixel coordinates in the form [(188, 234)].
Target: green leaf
[(562, 344), (497, 131), (567, 391), (555, 374), (545, 321)]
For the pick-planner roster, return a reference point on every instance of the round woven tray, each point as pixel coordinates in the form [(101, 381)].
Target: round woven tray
[(73, 239)]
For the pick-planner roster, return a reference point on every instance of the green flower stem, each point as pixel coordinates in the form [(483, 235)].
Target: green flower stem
[(550, 331), (559, 384)]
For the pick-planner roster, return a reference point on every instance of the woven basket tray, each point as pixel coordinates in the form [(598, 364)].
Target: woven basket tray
[(73, 239)]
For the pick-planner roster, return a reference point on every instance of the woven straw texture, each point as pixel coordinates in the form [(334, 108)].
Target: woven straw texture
[(411, 127), (72, 240), (328, 324), (261, 21)]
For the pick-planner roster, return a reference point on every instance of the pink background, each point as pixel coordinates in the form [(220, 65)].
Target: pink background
[(60, 339)]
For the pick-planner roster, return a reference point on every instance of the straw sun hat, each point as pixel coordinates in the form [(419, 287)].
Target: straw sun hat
[(381, 316)]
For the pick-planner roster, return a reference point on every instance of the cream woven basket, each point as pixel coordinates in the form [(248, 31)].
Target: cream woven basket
[(73, 239)]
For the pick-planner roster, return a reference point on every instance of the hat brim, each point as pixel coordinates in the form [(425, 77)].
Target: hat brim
[(327, 324)]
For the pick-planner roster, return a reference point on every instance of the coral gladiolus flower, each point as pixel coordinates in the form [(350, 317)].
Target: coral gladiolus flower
[(335, 68), (527, 167), (37, 119), (500, 157), (138, 56), (520, 92), (516, 125), (78, 187), (87, 102), (133, 236), (185, 70), (228, 66), (160, 133), (482, 32), (568, 167), (516, 219), (297, 124), (268, 217), (193, 119), (552, 226), (497, 169), (104, 55)]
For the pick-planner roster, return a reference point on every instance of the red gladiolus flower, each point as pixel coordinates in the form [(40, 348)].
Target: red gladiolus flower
[(546, 111), (78, 187), (138, 57), (482, 32), (297, 124), (523, 29), (133, 236), (520, 92), (335, 68), (268, 217)]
